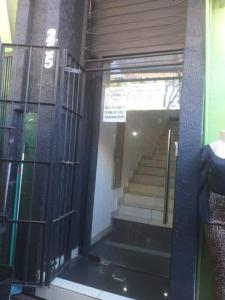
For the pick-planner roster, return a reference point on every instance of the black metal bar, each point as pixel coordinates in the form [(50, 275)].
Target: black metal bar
[(42, 265), (150, 54), (65, 86), (1, 67), (53, 182), (27, 248), (27, 222), (68, 162), (144, 79), (66, 215), (23, 149), (149, 67), (7, 45), (77, 186), (7, 127), (73, 112), (167, 178), (25, 161), (73, 152), (27, 102)]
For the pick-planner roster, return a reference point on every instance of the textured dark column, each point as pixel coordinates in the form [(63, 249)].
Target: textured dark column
[(35, 18), (185, 241)]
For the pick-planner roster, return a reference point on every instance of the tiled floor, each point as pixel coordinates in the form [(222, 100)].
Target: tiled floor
[(117, 280), (134, 262)]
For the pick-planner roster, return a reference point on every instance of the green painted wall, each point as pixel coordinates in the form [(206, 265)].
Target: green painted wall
[(215, 70), (214, 116), (8, 10), (12, 10)]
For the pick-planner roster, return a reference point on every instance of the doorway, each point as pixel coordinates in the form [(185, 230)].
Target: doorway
[(130, 244)]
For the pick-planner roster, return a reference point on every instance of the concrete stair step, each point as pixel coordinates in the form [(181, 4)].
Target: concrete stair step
[(144, 201), (164, 145), (165, 135), (159, 156), (151, 180), (155, 171), (155, 163), (142, 215), (149, 190), (163, 149), (146, 207)]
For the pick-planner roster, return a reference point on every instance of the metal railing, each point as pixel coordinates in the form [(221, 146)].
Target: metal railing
[(167, 176), (41, 118)]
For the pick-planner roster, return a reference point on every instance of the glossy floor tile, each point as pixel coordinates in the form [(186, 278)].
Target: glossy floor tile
[(133, 261), (117, 280)]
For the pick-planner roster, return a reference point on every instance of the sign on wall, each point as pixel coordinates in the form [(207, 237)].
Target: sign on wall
[(115, 105), (152, 95)]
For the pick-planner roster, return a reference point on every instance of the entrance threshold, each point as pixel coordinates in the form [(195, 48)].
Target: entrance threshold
[(68, 290)]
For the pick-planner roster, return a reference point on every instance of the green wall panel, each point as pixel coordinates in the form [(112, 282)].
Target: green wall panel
[(214, 120), (215, 66), (8, 9)]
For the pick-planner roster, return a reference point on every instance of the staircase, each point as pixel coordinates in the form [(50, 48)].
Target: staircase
[(143, 199)]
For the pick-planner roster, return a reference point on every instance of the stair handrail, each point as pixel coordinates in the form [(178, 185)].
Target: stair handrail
[(167, 177)]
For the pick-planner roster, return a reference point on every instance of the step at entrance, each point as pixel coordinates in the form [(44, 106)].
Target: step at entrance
[(68, 290)]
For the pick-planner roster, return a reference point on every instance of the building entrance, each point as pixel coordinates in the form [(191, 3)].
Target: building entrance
[(132, 226)]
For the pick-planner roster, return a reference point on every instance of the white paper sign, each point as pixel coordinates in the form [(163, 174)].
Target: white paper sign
[(115, 105)]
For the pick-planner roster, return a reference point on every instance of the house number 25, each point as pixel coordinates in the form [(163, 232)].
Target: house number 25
[(49, 54)]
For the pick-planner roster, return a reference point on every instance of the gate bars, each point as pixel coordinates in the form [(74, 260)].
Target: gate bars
[(41, 111)]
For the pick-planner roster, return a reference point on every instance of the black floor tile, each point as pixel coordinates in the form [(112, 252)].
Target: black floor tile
[(156, 263), (133, 260), (85, 272), (117, 280), (138, 285)]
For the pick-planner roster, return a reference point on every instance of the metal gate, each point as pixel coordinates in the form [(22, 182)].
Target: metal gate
[(41, 110)]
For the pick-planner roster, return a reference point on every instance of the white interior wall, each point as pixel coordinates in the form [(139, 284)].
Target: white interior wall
[(105, 201)]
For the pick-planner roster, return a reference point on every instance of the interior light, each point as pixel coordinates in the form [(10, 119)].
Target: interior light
[(165, 294), (135, 133), (125, 289)]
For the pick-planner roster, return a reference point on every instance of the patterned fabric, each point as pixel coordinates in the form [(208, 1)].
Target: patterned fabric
[(215, 232)]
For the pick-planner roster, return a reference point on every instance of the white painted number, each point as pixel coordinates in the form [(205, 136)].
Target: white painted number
[(49, 54)]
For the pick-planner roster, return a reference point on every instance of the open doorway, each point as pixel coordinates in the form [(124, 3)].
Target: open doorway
[(130, 245)]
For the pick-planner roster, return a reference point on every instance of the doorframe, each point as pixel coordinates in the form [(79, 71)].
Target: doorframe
[(186, 226), (186, 229)]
